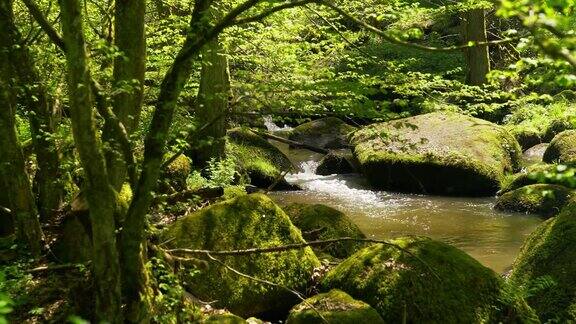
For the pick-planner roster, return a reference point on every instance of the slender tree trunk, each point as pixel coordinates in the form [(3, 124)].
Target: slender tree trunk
[(100, 195), (12, 165), (33, 96), (213, 97), (132, 235), (478, 57), (129, 72)]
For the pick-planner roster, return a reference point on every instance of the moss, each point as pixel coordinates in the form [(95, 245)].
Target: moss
[(562, 149), (256, 157), (177, 172), (328, 132), (224, 319), (435, 283), (320, 222), (543, 199), (333, 307), (527, 137), (549, 252), (244, 222), (558, 126), (441, 153), (526, 177)]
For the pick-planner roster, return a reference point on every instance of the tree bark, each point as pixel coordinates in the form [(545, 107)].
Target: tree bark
[(33, 96), (213, 98), (129, 70), (13, 173), (477, 57), (100, 195)]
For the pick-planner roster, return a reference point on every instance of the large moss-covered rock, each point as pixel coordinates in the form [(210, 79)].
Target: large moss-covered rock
[(440, 153), (558, 126), (543, 199), (562, 149), (334, 307), (259, 159), (329, 132), (320, 222), (176, 174), (245, 222), (548, 257), (430, 283), (527, 137), (526, 177)]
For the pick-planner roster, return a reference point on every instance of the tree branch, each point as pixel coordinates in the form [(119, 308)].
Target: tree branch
[(271, 11), (297, 246), (398, 41), (46, 26)]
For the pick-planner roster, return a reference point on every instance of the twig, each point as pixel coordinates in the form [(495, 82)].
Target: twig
[(293, 143), (270, 283)]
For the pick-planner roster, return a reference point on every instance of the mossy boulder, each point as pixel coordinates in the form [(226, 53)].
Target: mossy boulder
[(437, 153), (526, 177), (176, 174), (427, 282), (546, 268), (259, 159), (543, 199), (558, 126), (562, 149), (320, 222), (527, 137), (245, 222), (335, 307), (328, 132), (224, 319), (337, 163)]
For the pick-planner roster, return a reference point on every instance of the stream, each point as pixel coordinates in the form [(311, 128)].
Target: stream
[(471, 224)]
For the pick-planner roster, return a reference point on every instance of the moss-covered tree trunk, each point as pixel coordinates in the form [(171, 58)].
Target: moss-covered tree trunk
[(100, 195), (477, 57), (213, 97), (34, 98), (15, 180), (129, 69)]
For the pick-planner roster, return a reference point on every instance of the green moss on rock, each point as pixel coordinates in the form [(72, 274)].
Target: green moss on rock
[(549, 253), (543, 199), (244, 222), (224, 319), (320, 222), (256, 157), (527, 137), (439, 153), (178, 171), (335, 307), (328, 132), (562, 149), (433, 283)]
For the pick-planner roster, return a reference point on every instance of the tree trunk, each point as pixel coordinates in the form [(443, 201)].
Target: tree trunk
[(477, 57), (100, 195), (49, 184), (13, 173), (213, 97), (132, 235), (129, 69)]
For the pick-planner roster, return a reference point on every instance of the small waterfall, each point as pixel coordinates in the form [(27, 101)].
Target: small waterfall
[(272, 127)]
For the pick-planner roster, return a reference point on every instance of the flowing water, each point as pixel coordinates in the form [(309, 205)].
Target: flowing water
[(492, 237)]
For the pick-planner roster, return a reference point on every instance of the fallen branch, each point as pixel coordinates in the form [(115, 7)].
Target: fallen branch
[(58, 267), (204, 193), (293, 143), (297, 246)]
